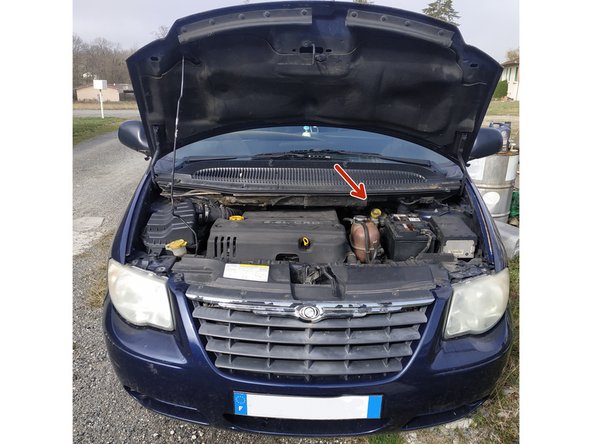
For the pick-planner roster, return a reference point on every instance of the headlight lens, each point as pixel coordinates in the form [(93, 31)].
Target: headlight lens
[(478, 304), (139, 296)]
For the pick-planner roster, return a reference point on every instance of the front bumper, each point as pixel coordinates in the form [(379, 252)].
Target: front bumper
[(172, 374)]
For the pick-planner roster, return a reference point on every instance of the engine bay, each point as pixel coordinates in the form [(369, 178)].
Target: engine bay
[(206, 241)]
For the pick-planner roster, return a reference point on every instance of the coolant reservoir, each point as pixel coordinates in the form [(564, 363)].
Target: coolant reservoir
[(364, 238), (177, 247)]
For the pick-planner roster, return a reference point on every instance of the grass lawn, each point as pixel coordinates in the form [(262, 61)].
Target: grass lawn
[(499, 414), (504, 111), (497, 420), (499, 108), (84, 128), (106, 105)]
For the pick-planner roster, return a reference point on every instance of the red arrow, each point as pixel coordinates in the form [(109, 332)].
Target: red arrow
[(358, 190)]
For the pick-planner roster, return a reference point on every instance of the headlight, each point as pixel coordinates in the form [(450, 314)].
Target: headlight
[(139, 296), (478, 304)]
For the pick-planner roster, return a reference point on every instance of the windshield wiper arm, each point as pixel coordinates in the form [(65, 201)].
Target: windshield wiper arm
[(418, 162), (292, 154), (192, 159), (328, 153)]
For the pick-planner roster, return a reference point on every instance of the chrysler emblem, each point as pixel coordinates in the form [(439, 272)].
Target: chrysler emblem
[(309, 313)]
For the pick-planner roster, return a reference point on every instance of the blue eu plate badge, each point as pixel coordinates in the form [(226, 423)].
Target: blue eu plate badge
[(240, 403)]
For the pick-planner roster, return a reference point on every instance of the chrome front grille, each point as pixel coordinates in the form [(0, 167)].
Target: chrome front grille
[(276, 346)]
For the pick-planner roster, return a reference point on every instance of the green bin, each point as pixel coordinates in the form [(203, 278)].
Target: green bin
[(515, 206)]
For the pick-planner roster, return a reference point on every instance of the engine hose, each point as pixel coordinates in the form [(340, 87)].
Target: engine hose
[(209, 213), (428, 233), (366, 242)]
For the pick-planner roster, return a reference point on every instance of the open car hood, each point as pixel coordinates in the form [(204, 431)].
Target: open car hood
[(314, 63)]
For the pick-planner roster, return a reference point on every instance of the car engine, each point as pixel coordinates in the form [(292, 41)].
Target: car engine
[(426, 230), (295, 236)]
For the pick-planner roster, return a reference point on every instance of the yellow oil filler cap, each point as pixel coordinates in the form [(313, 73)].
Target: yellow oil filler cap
[(304, 243), (236, 218)]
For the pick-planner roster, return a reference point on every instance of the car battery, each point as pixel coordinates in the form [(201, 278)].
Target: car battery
[(454, 236), (405, 236)]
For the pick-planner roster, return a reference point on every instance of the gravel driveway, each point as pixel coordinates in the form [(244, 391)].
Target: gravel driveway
[(105, 176)]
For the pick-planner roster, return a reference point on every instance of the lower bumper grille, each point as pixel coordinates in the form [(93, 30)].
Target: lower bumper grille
[(275, 346)]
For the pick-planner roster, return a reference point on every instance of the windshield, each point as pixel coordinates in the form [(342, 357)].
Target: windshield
[(286, 139)]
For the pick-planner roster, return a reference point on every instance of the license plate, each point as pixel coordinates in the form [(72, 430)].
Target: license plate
[(303, 407)]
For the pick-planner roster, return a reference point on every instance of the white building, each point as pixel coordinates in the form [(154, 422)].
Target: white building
[(511, 73), (89, 94)]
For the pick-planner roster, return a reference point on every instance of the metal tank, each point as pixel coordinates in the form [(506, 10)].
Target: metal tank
[(494, 177)]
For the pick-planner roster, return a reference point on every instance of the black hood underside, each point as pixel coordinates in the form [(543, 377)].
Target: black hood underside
[(315, 63)]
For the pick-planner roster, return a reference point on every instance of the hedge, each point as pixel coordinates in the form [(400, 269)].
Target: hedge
[(501, 90)]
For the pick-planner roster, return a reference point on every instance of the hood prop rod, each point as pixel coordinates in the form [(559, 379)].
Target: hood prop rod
[(175, 156), (461, 143)]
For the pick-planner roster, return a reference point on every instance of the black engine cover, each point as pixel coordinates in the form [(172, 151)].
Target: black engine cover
[(298, 236)]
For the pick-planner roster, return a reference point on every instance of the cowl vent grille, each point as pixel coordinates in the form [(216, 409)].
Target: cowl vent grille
[(306, 177)]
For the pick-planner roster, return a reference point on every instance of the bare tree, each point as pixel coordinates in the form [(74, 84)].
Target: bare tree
[(99, 59), (161, 32), (79, 49), (513, 54)]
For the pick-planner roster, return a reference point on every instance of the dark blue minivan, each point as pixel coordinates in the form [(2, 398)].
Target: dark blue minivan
[(306, 253)]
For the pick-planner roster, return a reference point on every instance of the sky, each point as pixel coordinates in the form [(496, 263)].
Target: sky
[(491, 26)]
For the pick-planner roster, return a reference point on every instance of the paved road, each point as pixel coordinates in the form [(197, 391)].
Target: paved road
[(105, 176), (125, 113)]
